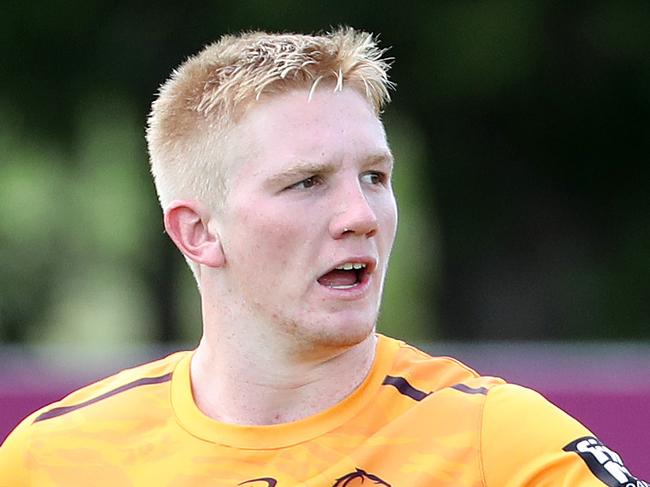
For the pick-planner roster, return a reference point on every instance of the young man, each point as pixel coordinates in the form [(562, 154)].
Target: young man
[(274, 175)]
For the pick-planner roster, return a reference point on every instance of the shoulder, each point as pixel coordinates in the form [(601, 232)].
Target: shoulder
[(97, 400), (437, 374), (522, 412), (525, 436), (132, 379), (487, 407), (512, 434), (101, 413)]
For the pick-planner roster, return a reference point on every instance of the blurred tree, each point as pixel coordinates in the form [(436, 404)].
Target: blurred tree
[(520, 127)]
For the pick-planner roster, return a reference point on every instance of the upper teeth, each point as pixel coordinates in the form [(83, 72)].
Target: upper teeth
[(348, 266)]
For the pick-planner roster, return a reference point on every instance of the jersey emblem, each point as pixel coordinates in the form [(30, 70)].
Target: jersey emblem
[(358, 474), (604, 463), (270, 482)]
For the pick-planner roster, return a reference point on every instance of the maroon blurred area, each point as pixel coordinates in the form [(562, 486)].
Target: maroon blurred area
[(605, 386)]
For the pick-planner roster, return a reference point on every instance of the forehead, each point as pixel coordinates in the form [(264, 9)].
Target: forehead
[(291, 127)]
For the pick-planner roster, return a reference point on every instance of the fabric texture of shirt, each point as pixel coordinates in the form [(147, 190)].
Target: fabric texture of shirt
[(415, 421)]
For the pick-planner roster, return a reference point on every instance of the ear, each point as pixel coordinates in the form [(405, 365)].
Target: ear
[(186, 223)]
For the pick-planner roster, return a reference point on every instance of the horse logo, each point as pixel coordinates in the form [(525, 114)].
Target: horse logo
[(348, 479)]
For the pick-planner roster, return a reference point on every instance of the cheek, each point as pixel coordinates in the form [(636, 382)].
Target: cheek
[(265, 239), (387, 216)]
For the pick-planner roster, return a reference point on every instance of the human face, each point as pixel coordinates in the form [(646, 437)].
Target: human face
[(310, 192)]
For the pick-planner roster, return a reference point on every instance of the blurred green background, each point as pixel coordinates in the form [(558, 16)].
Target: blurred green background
[(521, 131)]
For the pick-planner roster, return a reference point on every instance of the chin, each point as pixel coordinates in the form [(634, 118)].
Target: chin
[(340, 335)]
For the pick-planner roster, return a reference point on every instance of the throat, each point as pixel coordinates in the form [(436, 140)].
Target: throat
[(240, 397)]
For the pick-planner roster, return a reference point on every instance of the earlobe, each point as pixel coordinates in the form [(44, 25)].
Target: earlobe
[(186, 223)]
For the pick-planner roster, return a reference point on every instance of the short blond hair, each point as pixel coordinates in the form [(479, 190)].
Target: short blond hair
[(205, 96)]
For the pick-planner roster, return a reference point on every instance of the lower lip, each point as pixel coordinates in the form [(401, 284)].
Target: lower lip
[(359, 290)]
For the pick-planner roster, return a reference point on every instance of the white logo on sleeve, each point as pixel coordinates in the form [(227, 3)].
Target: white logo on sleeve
[(604, 463)]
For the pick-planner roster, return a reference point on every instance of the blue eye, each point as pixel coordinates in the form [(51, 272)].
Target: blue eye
[(373, 177), (307, 183)]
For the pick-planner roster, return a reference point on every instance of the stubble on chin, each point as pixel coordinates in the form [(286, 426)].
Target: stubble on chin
[(325, 338)]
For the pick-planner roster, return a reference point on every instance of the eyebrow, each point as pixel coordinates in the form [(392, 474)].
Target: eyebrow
[(382, 158), (306, 168), (302, 169)]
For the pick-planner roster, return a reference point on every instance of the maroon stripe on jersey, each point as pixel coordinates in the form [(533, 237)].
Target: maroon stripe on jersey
[(470, 390), (403, 386), (53, 413)]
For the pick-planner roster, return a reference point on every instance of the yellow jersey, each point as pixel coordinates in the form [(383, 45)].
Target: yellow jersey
[(415, 421)]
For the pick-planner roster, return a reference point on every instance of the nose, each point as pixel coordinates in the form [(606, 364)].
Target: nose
[(355, 215)]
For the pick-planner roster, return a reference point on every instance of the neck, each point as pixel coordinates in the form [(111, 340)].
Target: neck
[(264, 382)]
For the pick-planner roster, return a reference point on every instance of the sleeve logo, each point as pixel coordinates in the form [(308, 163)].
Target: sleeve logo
[(604, 463)]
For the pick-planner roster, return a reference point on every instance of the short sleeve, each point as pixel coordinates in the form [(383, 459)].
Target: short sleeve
[(13, 456), (528, 442)]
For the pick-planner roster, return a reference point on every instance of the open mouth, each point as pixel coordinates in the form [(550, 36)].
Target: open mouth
[(345, 276)]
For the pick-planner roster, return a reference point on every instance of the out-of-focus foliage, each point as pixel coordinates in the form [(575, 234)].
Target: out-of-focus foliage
[(521, 130)]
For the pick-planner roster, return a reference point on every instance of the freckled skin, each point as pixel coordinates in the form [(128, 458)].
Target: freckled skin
[(278, 241)]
